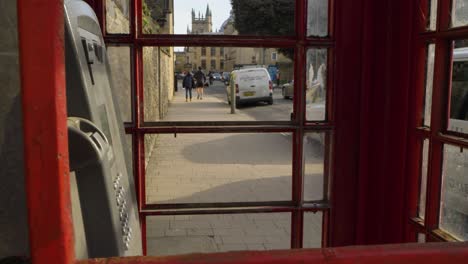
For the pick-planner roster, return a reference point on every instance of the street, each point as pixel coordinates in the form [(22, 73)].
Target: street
[(280, 110)]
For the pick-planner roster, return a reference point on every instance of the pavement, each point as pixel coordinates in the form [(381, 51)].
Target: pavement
[(247, 167)]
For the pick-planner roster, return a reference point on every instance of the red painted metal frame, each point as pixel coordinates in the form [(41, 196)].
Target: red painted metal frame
[(297, 126), (51, 232), (348, 51), (200, 127), (45, 130), (416, 134), (438, 136), (402, 254)]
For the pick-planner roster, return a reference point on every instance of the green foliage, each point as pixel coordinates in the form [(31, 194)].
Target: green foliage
[(149, 10), (265, 17)]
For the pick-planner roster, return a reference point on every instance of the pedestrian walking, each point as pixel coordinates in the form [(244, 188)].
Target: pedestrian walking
[(200, 79), (278, 78), (211, 77), (187, 83)]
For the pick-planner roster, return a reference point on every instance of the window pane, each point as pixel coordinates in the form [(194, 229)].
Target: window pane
[(317, 18), (421, 238), (316, 84), (429, 84), (117, 16), (423, 184), (312, 230), (432, 21), (454, 196), (458, 121), (175, 235), (207, 168), (459, 13), (220, 17), (120, 66), (257, 84), (314, 166)]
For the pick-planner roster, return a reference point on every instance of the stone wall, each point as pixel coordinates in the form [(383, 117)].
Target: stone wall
[(158, 72), (117, 16), (13, 215)]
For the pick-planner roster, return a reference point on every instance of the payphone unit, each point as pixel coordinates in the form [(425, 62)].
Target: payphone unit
[(105, 210)]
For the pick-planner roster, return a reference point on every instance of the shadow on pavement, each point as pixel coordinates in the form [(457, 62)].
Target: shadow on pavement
[(255, 190), (251, 149)]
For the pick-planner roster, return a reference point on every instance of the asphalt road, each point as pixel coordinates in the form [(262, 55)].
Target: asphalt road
[(280, 110)]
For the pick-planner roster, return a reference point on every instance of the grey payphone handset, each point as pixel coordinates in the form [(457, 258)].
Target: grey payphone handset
[(104, 209)]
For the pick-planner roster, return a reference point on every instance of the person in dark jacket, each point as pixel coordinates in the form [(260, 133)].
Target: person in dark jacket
[(200, 78), (187, 83)]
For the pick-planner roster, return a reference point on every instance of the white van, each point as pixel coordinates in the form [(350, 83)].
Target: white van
[(251, 85)]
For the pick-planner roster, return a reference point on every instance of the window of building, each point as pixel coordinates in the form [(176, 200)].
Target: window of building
[(274, 56), (221, 51), (213, 51), (213, 64), (203, 51), (221, 65), (203, 64)]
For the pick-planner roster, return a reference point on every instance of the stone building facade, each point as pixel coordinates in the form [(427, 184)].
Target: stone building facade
[(209, 58), (158, 65)]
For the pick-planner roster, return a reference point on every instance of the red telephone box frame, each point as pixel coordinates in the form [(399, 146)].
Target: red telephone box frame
[(46, 153)]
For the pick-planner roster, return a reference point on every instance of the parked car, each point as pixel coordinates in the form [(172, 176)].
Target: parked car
[(217, 76), (251, 85), (180, 75), (287, 90), (226, 77)]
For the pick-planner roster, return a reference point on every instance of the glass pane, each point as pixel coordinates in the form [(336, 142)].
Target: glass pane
[(120, 66), (458, 121), (312, 230), (314, 148), (260, 81), (220, 17), (317, 18), (316, 84), (454, 196), (117, 16), (459, 13), (207, 168), (421, 238), (423, 184), (429, 84), (432, 21), (175, 235)]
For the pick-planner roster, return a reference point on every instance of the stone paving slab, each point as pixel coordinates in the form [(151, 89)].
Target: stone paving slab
[(224, 168)]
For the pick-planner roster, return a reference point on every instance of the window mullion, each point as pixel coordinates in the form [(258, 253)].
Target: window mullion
[(443, 15), (437, 125)]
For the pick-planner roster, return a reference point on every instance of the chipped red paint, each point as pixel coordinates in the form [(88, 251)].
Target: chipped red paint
[(41, 45), (432, 253)]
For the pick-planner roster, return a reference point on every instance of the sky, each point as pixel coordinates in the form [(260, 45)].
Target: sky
[(183, 13)]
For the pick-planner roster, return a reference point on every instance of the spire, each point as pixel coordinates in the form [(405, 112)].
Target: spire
[(193, 13), (199, 15), (188, 30), (208, 12)]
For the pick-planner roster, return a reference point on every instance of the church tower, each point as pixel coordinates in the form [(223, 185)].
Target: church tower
[(203, 23)]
